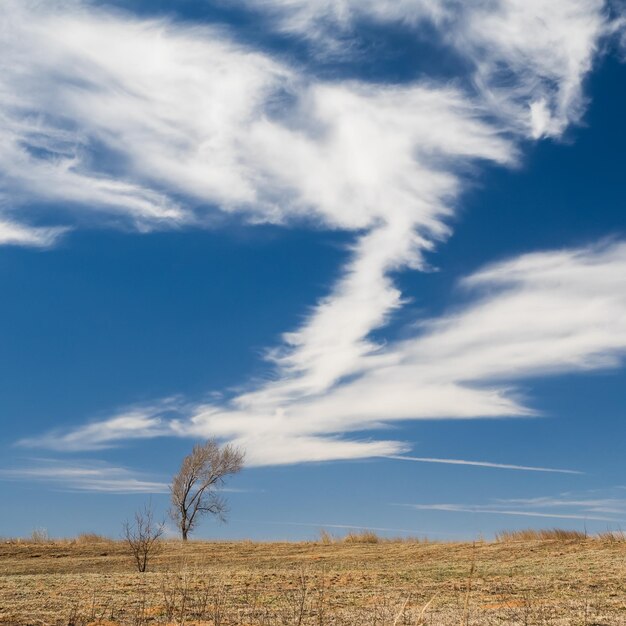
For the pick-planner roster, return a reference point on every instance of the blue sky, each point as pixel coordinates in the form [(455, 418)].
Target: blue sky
[(378, 244)]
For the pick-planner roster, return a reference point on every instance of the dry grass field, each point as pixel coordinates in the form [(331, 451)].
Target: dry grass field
[(521, 579)]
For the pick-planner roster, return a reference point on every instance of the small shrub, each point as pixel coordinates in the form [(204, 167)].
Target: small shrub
[(40, 535), (143, 537)]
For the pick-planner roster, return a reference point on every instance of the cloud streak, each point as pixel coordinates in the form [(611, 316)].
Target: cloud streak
[(523, 468), (455, 508), (352, 527), (84, 476), (12, 233), (586, 506), (144, 422)]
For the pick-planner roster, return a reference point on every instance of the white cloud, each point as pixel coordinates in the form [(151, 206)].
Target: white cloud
[(19, 234), (145, 120), (89, 476), (190, 114), (457, 508), (163, 101), (542, 313), (528, 58), (586, 506), (590, 502), (143, 422), (546, 48), (149, 122), (148, 119)]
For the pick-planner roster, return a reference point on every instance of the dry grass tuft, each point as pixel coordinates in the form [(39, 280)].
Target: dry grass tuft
[(88, 538), (612, 536), (362, 536), (548, 534), (326, 538)]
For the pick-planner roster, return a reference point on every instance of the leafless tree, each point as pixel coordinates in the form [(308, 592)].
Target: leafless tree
[(195, 489), (143, 536)]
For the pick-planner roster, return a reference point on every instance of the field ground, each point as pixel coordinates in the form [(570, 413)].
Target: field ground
[(531, 582)]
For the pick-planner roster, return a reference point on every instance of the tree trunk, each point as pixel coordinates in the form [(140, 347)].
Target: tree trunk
[(184, 524)]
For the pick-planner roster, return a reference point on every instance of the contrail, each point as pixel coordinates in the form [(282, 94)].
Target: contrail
[(524, 468)]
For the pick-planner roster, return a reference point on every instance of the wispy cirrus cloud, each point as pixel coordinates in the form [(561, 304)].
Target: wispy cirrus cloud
[(567, 506), (492, 510), (138, 422), (12, 233), (542, 313), (589, 501), (527, 58), (85, 476), (195, 118), (154, 124)]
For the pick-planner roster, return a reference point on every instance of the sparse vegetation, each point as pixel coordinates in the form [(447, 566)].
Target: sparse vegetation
[(142, 536), (364, 536), (613, 535), (541, 581), (39, 535)]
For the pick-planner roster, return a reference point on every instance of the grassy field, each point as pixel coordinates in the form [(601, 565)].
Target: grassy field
[(526, 581)]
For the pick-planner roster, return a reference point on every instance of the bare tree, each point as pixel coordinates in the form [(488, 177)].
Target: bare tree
[(143, 536), (194, 490)]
